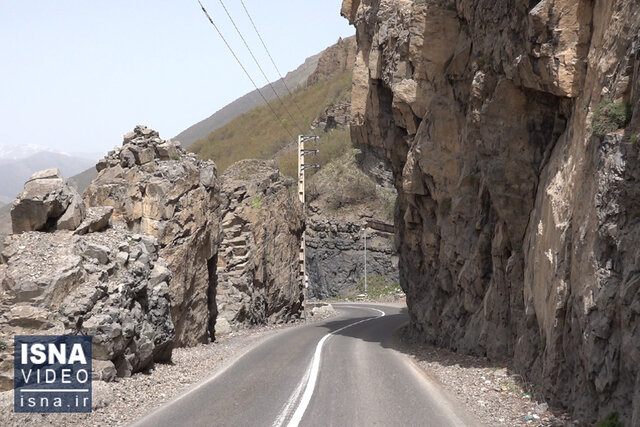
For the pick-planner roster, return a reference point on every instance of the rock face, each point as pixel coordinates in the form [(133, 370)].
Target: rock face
[(47, 203), (335, 60), (335, 255), (258, 262), (156, 188), (344, 197), (111, 285), (515, 222), (336, 116)]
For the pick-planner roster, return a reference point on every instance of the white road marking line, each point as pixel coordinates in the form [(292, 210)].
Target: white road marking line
[(310, 378), (54, 390), (293, 399)]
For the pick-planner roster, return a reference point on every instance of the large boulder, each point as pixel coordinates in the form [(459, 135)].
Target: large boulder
[(258, 262), (111, 285), (47, 203), (156, 188)]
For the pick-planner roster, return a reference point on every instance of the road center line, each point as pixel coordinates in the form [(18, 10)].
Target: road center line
[(311, 376)]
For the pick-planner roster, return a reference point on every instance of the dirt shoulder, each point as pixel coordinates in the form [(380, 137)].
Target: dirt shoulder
[(491, 391)]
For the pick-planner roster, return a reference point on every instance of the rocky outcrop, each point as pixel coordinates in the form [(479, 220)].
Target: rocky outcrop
[(258, 279), (515, 221), (335, 255), (47, 203), (156, 188), (335, 60), (111, 285), (336, 116)]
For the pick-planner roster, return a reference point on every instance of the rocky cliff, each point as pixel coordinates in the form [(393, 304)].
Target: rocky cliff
[(158, 189), (258, 279), (511, 130), (334, 60)]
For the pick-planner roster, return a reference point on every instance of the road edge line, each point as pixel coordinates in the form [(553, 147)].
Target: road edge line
[(314, 369)]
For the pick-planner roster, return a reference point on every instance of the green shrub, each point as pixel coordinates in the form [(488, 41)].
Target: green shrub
[(3, 345), (611, 421), (378, 286), (355, 189), (609, 116), (483, 62)]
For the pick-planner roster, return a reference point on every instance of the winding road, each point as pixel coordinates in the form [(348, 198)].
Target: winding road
[(341, 372)]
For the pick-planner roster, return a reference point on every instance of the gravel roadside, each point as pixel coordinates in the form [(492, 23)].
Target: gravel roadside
[(490, 391), (127, 400)]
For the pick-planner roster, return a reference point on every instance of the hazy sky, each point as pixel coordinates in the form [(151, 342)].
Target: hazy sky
[(75, 75)]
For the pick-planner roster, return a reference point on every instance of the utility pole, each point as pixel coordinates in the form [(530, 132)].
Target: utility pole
[(301, 195), (364, 229)]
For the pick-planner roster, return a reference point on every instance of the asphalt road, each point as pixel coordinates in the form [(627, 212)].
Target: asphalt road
[(341, 372)]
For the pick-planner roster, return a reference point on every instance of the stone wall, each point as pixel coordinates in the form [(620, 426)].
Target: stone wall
[(515, 222), (258, 278), (335, 256)]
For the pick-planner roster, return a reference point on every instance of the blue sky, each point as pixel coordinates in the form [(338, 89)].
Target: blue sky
[(75, 75)]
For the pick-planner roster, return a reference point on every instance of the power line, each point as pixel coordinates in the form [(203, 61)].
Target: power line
[(255, 27), (300, 129), (244, 69), (265, 46)]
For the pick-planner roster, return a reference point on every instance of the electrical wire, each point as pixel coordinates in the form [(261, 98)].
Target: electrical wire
[(244, 69), (255, 27), (260, 67)]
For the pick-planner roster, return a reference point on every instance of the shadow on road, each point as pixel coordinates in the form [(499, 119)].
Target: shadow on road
[(374, 329)]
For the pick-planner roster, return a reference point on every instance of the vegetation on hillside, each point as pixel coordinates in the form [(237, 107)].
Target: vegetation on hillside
[(332, 145), (257, 134), (611, 421), (342, 187), (610, 116), (378, 288)]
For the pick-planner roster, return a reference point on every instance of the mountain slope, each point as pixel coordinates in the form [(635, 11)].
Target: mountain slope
[(293, 80), (257, 134)]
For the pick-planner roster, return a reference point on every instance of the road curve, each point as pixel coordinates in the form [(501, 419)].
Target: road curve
[(341, 372)]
